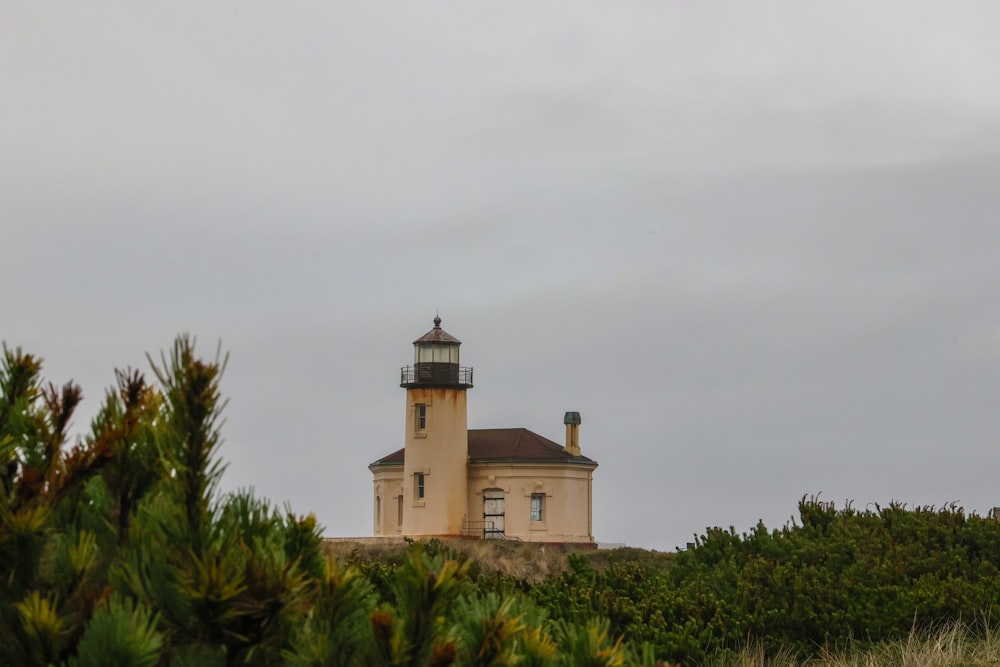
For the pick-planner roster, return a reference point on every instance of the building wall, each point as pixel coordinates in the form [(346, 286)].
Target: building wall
[(388, 494), (566, 505), (440, 452)]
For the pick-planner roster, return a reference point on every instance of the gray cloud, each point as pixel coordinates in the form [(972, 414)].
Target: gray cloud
[(756, 248)]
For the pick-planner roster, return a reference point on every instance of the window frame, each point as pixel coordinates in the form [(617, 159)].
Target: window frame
[(420, 417), (537, 508)]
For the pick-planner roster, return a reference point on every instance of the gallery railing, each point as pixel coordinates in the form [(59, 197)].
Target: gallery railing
[(440, 375)]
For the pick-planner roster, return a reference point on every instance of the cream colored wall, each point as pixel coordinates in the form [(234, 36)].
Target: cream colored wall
[(441, 452), (388, 486), (567, 510)]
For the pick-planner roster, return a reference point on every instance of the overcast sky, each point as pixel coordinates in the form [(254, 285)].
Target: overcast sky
[(756, 245)]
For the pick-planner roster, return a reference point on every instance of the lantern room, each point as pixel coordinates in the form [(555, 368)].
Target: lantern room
[(435, 361)]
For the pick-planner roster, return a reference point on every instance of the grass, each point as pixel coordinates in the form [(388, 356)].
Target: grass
[(952, 645), (531, 562)]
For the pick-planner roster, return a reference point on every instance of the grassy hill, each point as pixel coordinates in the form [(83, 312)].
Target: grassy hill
[(525, 561)]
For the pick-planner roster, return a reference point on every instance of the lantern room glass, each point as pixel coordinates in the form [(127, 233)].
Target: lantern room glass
[(437, 354)]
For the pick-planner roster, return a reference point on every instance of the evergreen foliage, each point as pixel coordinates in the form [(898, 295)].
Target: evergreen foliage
[(813, 585), (119, 634)]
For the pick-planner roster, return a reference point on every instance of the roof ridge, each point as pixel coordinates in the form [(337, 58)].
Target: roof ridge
[(508, 444)]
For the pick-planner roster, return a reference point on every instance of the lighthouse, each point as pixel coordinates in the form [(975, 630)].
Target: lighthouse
[(435, 474), (493, 483)]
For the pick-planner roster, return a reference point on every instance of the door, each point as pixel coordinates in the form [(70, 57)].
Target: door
[(493, 514)]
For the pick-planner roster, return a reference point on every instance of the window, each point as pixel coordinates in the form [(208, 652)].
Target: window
[(420, 422), (418, 480), (537, 503)]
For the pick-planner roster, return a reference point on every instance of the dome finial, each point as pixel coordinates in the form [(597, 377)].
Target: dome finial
[(437, 320)]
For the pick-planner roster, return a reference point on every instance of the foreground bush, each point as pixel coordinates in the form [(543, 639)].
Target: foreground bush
[(835, 576)]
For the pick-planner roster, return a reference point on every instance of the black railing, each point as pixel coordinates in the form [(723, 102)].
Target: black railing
[(440, 375), (484, 530), (477, 529)]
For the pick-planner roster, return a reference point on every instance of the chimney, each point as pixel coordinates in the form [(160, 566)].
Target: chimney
[(572, 421)]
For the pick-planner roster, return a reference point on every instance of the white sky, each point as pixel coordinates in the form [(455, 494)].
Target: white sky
[(755, 244)]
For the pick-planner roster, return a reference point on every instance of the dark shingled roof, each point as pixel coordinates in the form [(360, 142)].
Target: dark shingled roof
[(516, 444), (507, 444), (395, 457), (437, 335)]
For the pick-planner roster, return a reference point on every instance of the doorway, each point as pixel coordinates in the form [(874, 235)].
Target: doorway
[(493, 514)]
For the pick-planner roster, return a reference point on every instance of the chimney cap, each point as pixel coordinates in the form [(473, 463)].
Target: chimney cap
[(572, 418)]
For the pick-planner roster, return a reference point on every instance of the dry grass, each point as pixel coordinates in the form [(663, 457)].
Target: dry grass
[(522, 560), (953, 645), (366, 549)]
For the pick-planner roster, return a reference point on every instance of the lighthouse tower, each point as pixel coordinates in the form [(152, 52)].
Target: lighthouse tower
[(435, 475)]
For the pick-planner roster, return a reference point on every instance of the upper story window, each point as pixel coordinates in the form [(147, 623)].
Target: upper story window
[(418, 481), (420, 417), (537, 506)]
